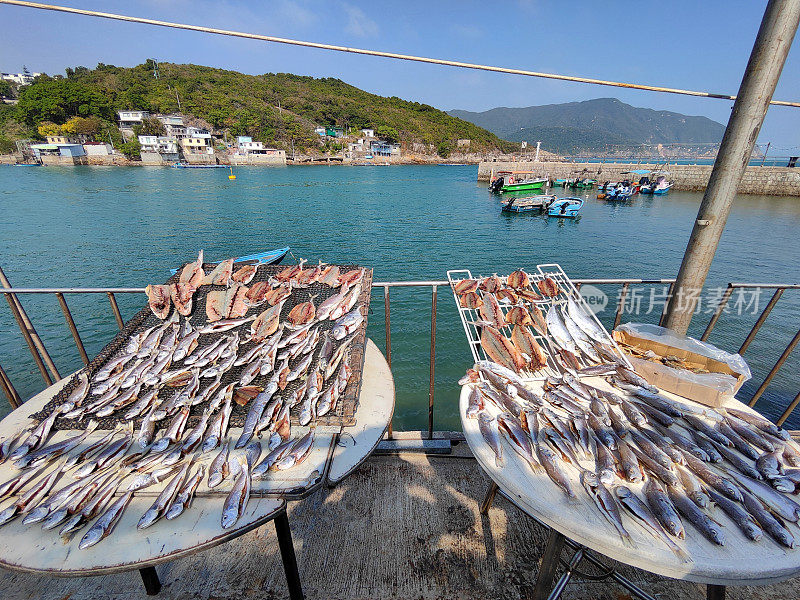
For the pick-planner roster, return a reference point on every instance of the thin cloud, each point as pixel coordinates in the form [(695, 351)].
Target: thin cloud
[(472, 32), (358, 23)]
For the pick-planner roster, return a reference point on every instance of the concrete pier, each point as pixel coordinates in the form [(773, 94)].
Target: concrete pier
[(773, 181)]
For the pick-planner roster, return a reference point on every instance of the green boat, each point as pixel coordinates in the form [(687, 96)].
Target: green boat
[(517, 181), (583, 183)]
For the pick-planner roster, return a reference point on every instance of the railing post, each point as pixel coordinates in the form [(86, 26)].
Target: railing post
[(8, 388), (775, 369), (667, 302), (35, 344), (763, 317), (621, 304), (723, 302), (789, 410), (433, 362), (115, 308), (72, 328), (387, 318)]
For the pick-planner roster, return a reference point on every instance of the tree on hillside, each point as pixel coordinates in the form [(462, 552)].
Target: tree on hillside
[(388, 133), (49, 128), (6, 89), (83, 126), (150, 126), (49, 99)]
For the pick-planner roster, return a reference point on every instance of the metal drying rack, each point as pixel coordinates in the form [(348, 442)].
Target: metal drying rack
[(553, 368)]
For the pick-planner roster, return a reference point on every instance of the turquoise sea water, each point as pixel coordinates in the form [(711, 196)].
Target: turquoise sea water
[(126, 227)]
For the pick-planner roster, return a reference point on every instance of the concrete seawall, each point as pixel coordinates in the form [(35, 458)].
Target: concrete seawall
[(774, 181)]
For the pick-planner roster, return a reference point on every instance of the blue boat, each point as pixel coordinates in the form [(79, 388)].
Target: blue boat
[(527, 203), (620, 193), (270, 257), (660, 186), (565, 208)]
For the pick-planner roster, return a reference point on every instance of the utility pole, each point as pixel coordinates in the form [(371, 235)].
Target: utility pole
[(761, 75)]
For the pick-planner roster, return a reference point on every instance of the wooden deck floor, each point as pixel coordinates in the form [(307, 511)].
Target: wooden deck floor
[(403, 526)]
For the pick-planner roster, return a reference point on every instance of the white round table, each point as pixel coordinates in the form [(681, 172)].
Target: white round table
[(739, 562)]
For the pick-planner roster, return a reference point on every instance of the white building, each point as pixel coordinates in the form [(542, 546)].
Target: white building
[(25, 78), (128, 118), (368, 133), (320, 131), (159, 144), (197, 141), (98, 149)]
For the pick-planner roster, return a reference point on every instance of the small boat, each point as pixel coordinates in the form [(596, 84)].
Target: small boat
[(559, 183), (270, 257), (180, 165), (621, 192), (516, 181), (527, 203), (662, 185), (583, 183), (565, 208), (28, 164), (659, 186)]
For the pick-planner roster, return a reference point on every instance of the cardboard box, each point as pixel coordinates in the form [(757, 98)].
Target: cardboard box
[(710, 389)]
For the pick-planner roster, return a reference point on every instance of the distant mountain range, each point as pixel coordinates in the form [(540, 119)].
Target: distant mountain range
[(594, 125)]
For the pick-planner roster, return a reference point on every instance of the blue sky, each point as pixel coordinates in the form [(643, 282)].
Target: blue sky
[(691, 45)]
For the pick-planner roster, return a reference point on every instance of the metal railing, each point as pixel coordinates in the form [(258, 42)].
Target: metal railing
[(50, 373)]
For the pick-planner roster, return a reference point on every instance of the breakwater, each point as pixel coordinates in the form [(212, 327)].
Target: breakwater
[(773, 181)]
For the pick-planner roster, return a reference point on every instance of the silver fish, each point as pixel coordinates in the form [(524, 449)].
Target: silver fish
[(519, 440), (48, 453), (771, 525), (106, 522), (236, 502), (586, 323), (712, 478), (779, 503), (186, 494), (581, 339), (195, 436), (164, 500), (705, 525), (279, 452), (692, 486), (78, 395), (738, 515), (662, 508), (299, 451), (639, 510), (606, 503), (489, 431), (551, 463), (604, 463), (217, 471)]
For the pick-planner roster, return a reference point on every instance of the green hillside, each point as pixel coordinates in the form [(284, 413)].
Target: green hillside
[(594, 125), (276, 108)]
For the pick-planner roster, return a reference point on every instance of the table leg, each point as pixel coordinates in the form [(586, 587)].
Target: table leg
[(490, 494), (715, 592), (562, 582), (152, 585), (288, 556), (552, 553)]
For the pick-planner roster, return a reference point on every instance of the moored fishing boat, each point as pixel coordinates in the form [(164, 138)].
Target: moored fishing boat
[(565, 207), (621, 192), (517, 181), (528, 203), (659, 186), (269, 257)]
